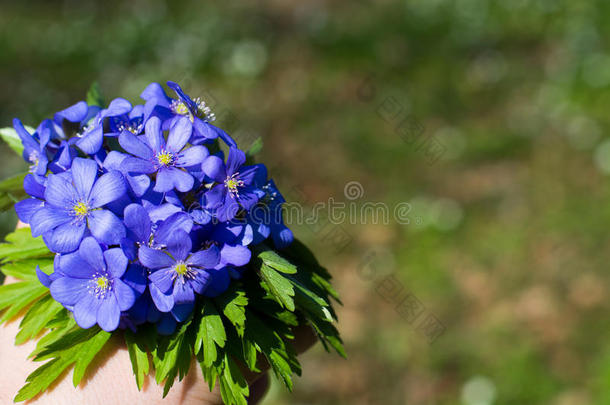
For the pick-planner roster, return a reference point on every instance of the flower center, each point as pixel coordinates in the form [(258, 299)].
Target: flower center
[(182, 271), (165, 158), (80, 209), (232, 183), (100, 285), (134, 126), (179, 107)]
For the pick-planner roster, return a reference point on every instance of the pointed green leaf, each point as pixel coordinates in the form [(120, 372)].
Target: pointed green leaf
[(279, 286)]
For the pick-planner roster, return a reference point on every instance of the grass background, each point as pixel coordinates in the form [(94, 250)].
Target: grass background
[(506, 243)]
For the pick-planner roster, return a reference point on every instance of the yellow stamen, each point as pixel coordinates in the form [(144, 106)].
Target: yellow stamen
[(80, 209), (165, 158)]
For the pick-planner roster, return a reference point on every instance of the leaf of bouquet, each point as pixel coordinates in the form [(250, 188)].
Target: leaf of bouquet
[(233, 305), (17, 296), (234, 388), (211, 333), (21, 245), (9, 135), (78, 347), (172, 357), (37, 317), (274, 260), (138, 356), (94, 95), (26, 269), (11, 191), (278, 286)]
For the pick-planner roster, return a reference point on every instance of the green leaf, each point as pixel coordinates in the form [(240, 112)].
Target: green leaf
[(233, 386), (78, 347), (94, 95), (173, 356), (279, 286), (21, 245), (254, 149), (37, 318), (11, 191), (274, 260), (9, 135), (138, 356), (233, 305), (211, 333), (26, 269), (87, 353), (17, 296)]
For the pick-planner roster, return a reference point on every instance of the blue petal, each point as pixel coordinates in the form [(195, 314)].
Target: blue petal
[(75, 266), (282, 237), (154, 135), (192, 156), (183, 293), (132, 144), (202, 131), (214, 168), (106, 227), (218, 283), (135, 278), (207, 259), (137, 166), (235, 160), (91, 142), (60, 192), (179, 220), (154, 259), (85, 311), (179, 245), (228, 210), (124, 294), (118, 106), (164, 303), (108, 313), (154, 91), (201, 280), (116, 262), (167, 325), (33, 187), (47, 219), (181, 312), (163, 279), (138, 221), (236, 255), (91, 252), (108, 188), (84, 172), (179, 135), (215, 196), (171, 177), (65, 238), (43, 277), (74, 113), (68, 290)]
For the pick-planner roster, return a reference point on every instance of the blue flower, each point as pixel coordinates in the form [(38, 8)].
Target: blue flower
[(233, 189), (177, 274), (91, 284), (198, 113), (73, 207), (170, 160), (26, 208), (34, 148)]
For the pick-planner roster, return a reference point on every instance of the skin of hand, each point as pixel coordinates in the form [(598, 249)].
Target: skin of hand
[(110, 379)]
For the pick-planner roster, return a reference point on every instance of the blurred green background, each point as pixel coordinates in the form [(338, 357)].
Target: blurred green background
[(488, 118)]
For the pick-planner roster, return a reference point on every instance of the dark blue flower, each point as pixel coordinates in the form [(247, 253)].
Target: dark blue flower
[(170, 161), (34, 148), (176, 273), (233, 189), (91, 284), (74, 204), (26, 208)]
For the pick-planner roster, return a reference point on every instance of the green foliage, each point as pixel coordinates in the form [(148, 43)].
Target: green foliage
[(250, 324), (11, 191), (94, 95), (9, 135)]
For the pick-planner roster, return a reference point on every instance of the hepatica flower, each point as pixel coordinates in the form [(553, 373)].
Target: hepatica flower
[(138, 211), (91, 284), (74, 206), (177, 274), (170, 161), (233, 189)]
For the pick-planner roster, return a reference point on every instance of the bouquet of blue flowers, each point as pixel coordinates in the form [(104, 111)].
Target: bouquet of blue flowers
[(149, 222)]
